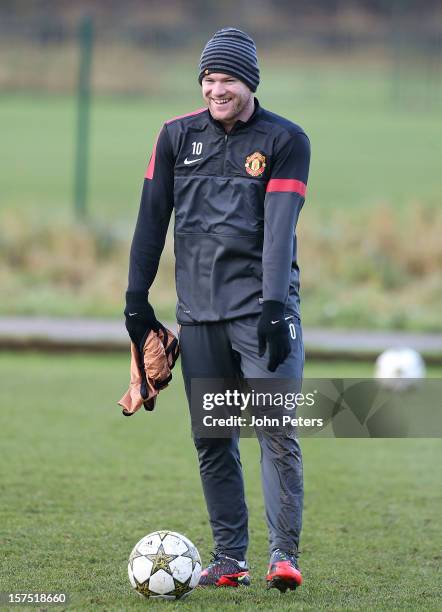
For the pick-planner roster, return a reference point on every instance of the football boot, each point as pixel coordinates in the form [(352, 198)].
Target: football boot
[(283, 572), (224, 571)]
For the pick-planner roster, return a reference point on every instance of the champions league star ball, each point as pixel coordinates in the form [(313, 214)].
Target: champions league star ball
[(164, 564), (399, 369)]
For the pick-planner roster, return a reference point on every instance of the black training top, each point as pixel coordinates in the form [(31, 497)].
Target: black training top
[(236, 199)]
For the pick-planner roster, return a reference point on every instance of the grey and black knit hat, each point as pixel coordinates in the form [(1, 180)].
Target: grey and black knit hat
[(231, 51)]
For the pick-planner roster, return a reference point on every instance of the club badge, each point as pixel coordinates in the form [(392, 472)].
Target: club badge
[(255, 164)]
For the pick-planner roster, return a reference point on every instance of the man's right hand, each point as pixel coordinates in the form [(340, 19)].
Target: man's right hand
[(140, 318)]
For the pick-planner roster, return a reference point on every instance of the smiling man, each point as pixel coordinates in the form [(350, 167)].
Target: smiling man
[(235, 175), (229, 100)]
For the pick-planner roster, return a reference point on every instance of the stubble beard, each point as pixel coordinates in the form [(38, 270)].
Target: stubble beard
[(238, 105)]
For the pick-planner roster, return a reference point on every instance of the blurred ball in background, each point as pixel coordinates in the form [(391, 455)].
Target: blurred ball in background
[(399, 369)]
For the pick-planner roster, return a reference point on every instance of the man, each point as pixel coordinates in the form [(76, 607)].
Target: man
[(236, 176)]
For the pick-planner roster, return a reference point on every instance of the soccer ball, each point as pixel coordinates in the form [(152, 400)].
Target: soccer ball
[(399, 369), (164, 564)]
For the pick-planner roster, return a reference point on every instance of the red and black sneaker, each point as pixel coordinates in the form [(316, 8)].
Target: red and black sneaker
[(283, 572), (224, 571)]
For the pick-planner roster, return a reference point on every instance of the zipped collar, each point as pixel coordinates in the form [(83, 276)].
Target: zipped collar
[(239, 125)]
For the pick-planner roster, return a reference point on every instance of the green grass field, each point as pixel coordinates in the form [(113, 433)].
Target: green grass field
[(369, 245), (80, 485), (365, 148)]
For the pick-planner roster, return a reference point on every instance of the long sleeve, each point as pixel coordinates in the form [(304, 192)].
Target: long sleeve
[(285, 195), (153, 216)]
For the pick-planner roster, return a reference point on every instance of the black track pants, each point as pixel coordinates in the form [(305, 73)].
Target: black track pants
[(230, 350)]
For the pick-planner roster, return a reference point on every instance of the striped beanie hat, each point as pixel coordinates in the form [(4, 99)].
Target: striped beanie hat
[(231, 51)]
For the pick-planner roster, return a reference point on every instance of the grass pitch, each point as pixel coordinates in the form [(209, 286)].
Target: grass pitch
[(80, 485), (366, 148), (369, 234)]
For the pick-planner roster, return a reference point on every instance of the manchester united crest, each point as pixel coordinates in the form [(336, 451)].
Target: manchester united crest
[(255, 164)]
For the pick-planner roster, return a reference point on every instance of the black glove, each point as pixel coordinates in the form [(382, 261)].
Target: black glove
[(140, 318), (273, 329)]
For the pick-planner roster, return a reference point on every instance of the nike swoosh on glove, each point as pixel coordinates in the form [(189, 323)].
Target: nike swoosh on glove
[(151, 373), (273, 330), (140, 317)]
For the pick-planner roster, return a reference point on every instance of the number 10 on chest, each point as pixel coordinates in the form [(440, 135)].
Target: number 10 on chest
[(197, 148)]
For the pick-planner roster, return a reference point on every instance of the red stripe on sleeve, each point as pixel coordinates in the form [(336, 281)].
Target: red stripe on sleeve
[(291, 185), (197, 112), (151, 167)]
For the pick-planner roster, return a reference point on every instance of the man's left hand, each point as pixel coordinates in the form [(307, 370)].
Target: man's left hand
[(273, 330)]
